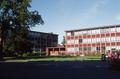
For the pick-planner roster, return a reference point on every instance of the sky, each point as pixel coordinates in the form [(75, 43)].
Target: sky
[(62, 15)]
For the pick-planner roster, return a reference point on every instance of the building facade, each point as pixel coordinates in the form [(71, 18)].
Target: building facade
[(56, 51), (42, 40), (93, 40)]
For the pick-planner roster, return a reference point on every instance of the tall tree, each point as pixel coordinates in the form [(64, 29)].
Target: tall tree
[(63, 41), (16, 18)]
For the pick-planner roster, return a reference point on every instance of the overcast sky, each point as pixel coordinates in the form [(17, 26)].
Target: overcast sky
[(61, 15)]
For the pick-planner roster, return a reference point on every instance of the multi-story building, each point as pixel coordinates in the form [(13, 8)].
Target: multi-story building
[(96, 39), (42, 40)]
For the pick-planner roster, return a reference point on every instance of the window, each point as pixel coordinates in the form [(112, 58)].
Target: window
[(113, 39), (72, 33), (80, 40), (84, 40), (68, 42), (68, 34), (69, 49), (118, 39), (76, 33), (72, 41), (103, 48), (76, 41), (93, 32), (118, 29), (98, 48), (93, 40), (106, 30), (85, 32), (89, 40), (107, 39), (80, 49), (89, 48), (97, 40), (85, 48), (89, 32), (80, 33), (112, 30), (76, 49), (98, 31)]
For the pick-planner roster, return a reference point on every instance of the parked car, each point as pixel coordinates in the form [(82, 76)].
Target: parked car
[(113, 55), (114, 59)]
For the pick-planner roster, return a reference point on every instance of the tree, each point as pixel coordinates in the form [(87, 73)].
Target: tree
[(63, 42), (16, 20)]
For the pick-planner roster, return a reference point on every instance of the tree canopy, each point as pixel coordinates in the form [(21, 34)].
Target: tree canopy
[(16, 19)]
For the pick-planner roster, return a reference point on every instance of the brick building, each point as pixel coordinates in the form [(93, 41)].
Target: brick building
[(93, 40), (41, 40)]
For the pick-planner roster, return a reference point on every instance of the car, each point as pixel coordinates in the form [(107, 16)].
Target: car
[(114, 60)]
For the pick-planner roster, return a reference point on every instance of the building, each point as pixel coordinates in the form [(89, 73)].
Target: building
[(42, 40), (56, 51), (92, 40)]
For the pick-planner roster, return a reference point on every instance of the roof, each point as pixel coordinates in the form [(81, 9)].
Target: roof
[(92, 28), (44, 33)]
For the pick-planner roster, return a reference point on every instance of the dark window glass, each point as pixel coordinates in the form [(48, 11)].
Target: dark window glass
[(80, 40)]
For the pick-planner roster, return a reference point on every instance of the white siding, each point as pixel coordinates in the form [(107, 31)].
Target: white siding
[(68, 34)]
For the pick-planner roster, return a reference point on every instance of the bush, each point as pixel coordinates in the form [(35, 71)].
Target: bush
[(43, 53)]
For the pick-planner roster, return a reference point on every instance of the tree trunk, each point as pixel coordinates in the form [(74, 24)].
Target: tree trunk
[(1, 43)]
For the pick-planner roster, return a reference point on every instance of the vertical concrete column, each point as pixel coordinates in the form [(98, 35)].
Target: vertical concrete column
[(40, 42), (115, 37), (82, 44), (74, 42), (110, 37), (47, 53), (95, 41), (59, 52), (53, 50), (100, 41), (78, 42), (105, 41), (65, 42), (91, 41), (87, 41)]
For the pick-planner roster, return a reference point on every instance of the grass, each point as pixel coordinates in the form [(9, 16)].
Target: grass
[(64, 58)]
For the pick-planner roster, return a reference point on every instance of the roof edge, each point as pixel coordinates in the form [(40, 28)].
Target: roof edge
[(91, 28)]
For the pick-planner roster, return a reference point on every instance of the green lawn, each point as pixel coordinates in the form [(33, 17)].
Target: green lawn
[(68, 58)]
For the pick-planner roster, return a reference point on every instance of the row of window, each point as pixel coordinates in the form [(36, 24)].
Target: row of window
[(77, 49), (94, 40), (97, 31), (106, 39)]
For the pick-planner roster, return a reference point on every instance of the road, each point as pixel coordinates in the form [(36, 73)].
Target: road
[(57, 70)]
